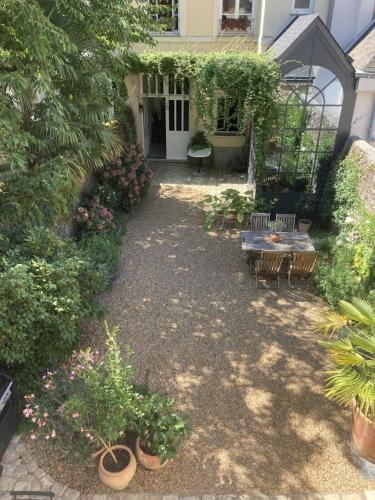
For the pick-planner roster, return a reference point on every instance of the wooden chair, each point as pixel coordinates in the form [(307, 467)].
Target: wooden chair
[(288, 221), (302, 265), (258, 222), (269, 265)]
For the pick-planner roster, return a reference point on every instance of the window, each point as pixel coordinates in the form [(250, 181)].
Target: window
[(227, 116), (237, 8), (158, 85), (302, 6), (168, 15), (237, 15)]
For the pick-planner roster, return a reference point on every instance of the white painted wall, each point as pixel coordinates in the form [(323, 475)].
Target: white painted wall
[(349, 18), (363, 113)]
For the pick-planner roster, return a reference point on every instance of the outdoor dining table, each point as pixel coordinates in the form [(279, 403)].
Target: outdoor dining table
[(256, 241)]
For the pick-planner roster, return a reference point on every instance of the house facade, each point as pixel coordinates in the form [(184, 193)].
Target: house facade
[(163, 108)]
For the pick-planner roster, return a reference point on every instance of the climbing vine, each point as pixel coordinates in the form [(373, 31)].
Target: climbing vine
[(249, 78)]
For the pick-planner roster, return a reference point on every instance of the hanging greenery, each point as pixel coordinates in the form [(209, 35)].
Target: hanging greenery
[(249, 78)]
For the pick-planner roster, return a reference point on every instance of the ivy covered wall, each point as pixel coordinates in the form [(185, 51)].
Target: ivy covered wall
[(347, 268)]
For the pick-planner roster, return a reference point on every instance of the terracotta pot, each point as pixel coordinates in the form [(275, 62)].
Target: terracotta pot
[(117, 480), (363, 435), (304, 225), (275, 237), (150, 462)]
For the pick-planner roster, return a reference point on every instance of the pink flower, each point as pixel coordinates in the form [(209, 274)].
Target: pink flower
[(27, 412), (76, 415), (33, 436)]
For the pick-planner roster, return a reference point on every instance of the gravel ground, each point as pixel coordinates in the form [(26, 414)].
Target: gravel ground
[(244, 364)]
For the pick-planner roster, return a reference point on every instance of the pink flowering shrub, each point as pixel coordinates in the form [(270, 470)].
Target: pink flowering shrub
[(129, 175), (88, 403), (95, 217)]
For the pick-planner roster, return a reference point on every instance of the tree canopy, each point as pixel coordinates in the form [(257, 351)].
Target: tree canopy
[(62, 66)]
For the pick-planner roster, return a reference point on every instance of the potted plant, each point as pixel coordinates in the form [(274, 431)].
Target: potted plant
[(352, 379), (304, 225), (229, 205), (88, 404), (160, 431), (199, 141), (275, 226)]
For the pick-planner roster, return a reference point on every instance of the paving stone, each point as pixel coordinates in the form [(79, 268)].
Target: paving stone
[(7, 484), (209, 497), (23, 486), (70, 494), (190, 498), (58, 488), (352, 496), (46, 482), (176, 497), (335, 496), (39, 473), (99, 497)]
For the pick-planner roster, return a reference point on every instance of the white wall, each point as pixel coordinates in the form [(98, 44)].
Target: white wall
[(349, 18), (362, 116)]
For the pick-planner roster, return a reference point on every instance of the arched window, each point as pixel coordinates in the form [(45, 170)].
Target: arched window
[(309, 112)]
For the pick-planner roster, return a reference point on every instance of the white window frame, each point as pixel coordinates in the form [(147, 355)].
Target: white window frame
[(175, 4), (237, 14), (296, 10)]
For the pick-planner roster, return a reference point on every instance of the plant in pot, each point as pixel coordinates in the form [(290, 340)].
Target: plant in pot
[(230, 204), (199, 141), (160, 431), (352, 380), (275, 226), (88, 404)]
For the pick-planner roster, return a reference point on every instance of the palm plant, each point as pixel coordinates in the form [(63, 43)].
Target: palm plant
[(352, 352)]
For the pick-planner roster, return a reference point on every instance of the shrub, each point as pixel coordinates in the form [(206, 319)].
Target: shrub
[(129, 176), (103, 250), (47, 286), (160, 429), (95, 217), (349, 268), (87, 404)]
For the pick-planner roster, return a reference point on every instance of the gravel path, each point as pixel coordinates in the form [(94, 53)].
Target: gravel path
[(244, 364)]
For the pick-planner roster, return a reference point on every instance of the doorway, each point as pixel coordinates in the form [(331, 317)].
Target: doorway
[(166, 116), (154, 127)]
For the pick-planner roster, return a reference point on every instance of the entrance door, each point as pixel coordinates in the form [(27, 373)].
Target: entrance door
[(146, 127), (178, 127)]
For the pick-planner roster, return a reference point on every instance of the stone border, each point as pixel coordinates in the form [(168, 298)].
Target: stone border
[(21, 472)]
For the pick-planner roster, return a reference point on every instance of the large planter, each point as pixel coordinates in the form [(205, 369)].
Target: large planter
[(150, 462), (304, 225), (363, 435), (120, 479)]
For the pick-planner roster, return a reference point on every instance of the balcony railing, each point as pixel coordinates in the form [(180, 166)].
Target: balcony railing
[(240, 25)]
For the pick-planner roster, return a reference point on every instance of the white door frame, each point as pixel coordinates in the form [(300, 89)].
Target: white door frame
[(176, 140)]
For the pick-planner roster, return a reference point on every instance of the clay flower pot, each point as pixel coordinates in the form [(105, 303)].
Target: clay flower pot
[(150, 462), (275, 237), (304, 225), (117, 480), (363, 435)]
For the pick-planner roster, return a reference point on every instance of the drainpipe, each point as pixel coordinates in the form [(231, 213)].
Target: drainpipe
[(330, 13), (261, 25), (371, 132)]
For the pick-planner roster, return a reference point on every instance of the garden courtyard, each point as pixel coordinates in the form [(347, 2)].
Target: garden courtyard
[(245, 365)]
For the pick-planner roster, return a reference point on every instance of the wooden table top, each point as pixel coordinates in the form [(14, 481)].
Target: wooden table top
[(289, 242)]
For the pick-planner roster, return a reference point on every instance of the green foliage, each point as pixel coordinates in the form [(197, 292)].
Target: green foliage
[(352, 354), (199, 141), (160, 429), (47, 286), (251, 79), (89, 403), (348, 270), (229, 204), (62, 66), (103, 250)]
